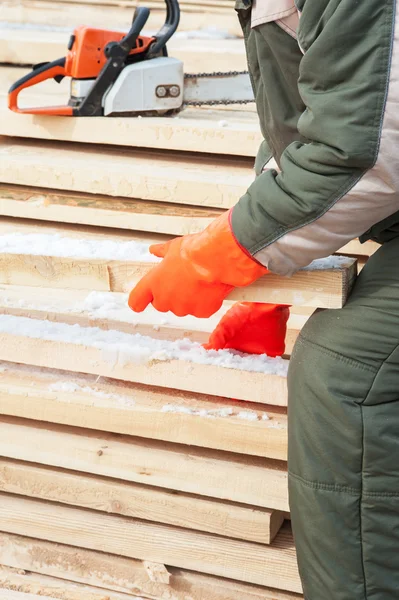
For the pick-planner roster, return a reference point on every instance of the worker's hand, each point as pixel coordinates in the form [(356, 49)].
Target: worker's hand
[(197, 272), (252, 327)]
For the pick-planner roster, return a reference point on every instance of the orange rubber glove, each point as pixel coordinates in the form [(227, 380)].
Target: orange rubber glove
[(252, 327), (197, 272)]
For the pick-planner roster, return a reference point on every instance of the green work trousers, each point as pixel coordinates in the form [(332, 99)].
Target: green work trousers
[(343, 387)]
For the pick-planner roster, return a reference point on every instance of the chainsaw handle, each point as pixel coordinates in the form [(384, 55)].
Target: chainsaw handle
[(47, 71), (168, 29), (140, 18)]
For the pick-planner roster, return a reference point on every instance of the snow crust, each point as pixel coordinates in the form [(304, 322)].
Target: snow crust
[(247, 415), (47, 244), (72, 387), (123, 348)]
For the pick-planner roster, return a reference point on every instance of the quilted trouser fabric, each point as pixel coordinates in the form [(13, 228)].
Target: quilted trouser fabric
[(344, 441)]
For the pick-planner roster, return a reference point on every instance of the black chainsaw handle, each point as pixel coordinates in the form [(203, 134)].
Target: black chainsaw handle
[(168, 29)]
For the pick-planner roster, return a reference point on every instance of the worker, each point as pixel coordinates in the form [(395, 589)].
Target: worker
[(326, 80)]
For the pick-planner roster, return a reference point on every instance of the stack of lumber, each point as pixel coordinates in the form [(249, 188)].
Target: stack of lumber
[(208, 14), (134, 464)]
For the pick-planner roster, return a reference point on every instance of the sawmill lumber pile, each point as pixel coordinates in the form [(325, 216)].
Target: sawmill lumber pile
[(133, 463)]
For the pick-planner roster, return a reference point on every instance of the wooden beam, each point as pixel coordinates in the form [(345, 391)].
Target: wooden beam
[(319, 287), (140, 502), (160, 414), (248, 480), (147, 175), (121, 574), (42, 12), (28, 342), (122, 213), (193, 130), (31, 586), (198, 55), (103, 211), (273, 565), (355, 248), (108, 310)]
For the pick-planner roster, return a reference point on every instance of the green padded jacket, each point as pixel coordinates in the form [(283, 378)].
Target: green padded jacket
[(326, 80)]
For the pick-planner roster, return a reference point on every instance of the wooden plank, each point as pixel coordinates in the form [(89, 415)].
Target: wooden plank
[(140, 502), (110, 311), (36, 587), (357, 249), (192, 130), (317, 287), (147, 175), (47, 13), (198, 55), (26, 341), (13, 595), (244, 561), (324, 288), (122, 574), (160, 414), (88, 209), (103, 211), (248, 480)]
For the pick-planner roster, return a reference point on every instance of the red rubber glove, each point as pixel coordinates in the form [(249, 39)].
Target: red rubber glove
[(197, 272), (252, 327)]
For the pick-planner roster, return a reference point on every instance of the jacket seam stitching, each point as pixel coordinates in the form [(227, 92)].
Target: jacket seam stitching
[(361, 509), (341, 357), (327, 487)]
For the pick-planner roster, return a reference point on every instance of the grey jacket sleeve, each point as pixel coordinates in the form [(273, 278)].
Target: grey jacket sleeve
[(345, 177)]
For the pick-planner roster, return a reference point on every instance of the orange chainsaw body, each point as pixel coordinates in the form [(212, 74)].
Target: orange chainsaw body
[(96, 54), (86, 58)]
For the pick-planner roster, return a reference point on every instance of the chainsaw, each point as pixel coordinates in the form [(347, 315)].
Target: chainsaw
[(113, 73)]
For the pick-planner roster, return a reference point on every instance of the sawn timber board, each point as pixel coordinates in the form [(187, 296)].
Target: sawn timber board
[(191, 130), (224, 475), (108, 310), (198, 55), (140, 502), (192, 179), (273, 565), (122, 213), (60, 562), (104, 211), (318, 288), (42, 12), (144, 411), (41, 344)]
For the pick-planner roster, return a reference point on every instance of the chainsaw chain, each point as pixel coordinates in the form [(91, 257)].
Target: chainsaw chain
[(216, 74)]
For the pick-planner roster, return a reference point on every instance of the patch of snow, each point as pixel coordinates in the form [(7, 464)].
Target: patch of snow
[(123, 348), (247, 415), (331, 262), (72, 387), (62, 246)]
